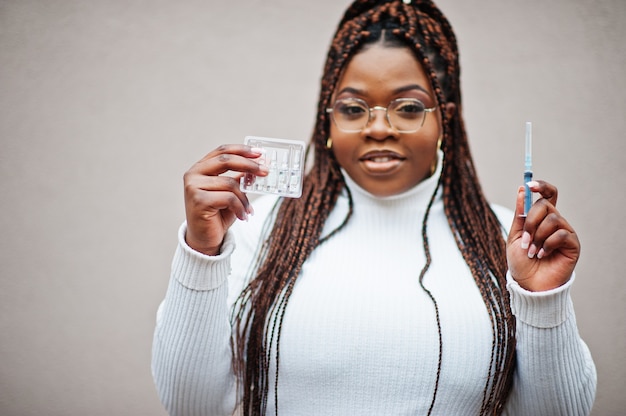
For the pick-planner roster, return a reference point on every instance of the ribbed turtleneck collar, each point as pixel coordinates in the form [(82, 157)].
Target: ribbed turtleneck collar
[(388, 210)]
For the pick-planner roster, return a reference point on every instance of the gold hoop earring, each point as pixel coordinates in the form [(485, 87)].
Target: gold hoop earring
[(329, 143), (433, 166)]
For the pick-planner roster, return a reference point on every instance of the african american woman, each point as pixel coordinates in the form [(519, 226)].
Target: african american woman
[(391, 287)]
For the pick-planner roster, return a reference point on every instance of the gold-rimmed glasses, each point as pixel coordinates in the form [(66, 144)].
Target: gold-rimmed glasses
[(406, 115)]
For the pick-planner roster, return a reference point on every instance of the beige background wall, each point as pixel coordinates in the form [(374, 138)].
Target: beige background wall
[(104, 105)]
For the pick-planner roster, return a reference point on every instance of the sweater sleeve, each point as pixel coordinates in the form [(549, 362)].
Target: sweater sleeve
[(191, 353), (555, 374)]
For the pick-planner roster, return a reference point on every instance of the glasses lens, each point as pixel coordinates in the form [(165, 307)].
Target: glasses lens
[(407, 114), (351, 114)]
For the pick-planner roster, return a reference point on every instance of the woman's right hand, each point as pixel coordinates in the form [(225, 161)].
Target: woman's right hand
[(212, 200)]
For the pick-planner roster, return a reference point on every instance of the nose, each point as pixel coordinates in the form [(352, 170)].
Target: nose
[(378, 126)]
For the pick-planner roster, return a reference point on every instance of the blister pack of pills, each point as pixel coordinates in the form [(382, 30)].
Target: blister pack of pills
[(285, 161)]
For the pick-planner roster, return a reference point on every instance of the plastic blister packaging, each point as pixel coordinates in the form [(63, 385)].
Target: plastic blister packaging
[(284, 160)]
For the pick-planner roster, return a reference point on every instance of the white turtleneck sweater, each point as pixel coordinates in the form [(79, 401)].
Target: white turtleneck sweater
[(359, 335)]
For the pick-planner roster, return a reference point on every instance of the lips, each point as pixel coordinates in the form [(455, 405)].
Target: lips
[(381, 156), (381, 161)]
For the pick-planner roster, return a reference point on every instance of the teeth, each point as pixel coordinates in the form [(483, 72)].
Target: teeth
[(381, 159)]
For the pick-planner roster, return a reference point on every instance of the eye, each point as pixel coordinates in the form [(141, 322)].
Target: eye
[(408, 108), (350, 109)]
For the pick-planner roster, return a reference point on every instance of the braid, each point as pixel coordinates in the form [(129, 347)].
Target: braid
[(296, 227)]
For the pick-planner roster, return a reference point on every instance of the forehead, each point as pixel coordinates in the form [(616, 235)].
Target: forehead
[(379, 70)]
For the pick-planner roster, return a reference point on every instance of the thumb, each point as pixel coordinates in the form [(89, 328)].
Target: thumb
[(517, 227)]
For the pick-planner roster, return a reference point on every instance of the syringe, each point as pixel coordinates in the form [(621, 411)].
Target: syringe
[(528, 168)]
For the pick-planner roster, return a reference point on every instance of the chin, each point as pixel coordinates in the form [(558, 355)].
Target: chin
[(385, 190)]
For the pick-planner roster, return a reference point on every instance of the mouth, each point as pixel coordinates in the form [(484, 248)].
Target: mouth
[(381, 161)]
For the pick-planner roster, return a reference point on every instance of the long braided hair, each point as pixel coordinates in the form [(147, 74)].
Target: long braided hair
[(297, 223)]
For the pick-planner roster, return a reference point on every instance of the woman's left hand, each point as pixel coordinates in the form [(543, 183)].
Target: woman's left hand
[(542, 248)]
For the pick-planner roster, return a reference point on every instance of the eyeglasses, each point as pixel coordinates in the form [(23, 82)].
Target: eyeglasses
[(406, 115)]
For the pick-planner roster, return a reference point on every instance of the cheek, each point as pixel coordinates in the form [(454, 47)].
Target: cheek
[(429, 136), (341, 144), (343, 149), (334, 132), (433, 124)]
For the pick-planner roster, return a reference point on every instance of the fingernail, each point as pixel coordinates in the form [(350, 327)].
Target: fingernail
[(250, 210), (532, 184), (256, 150), (264, 168), (525, 240), (541, 253), (532, 251)]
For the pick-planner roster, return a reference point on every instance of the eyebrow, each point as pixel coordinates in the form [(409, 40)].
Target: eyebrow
[(396, 91)]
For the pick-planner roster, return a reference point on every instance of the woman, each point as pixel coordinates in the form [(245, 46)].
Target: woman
[(388, 288)]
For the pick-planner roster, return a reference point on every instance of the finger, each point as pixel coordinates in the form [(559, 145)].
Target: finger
[(539, 233), (545, 189), (201, 203), (234, 149), (539, 211), (238, 158), (543, 224), (223, 163), (564, 241), (217, 184), (517, 227), (230, 202)]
